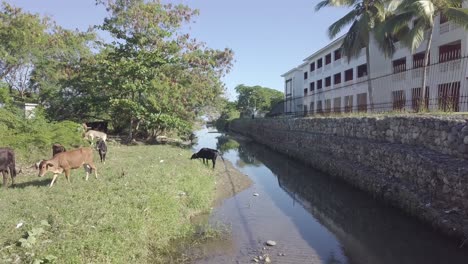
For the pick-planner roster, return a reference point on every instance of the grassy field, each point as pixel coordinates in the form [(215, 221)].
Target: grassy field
[(135, 212)]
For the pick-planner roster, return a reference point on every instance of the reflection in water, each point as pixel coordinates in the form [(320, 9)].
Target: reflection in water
[(368, 231)]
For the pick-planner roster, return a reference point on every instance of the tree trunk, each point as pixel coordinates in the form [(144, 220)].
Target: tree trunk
[(369, 81), (422, 101), (130, 131)]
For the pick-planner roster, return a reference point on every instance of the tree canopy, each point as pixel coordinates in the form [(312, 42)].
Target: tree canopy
[(257, 98), (149, 78)]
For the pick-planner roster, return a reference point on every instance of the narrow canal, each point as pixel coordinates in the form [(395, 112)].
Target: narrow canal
[(313, 218)]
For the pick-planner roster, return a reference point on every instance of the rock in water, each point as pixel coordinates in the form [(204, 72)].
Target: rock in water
[(271, 243)]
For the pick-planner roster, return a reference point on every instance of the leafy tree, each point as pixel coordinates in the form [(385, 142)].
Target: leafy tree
[(363, 17), (228, 113), (423, 13), (151, 67), (22, 40), (256, 98)]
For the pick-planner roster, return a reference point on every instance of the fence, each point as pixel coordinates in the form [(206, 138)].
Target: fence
[(446, 90)]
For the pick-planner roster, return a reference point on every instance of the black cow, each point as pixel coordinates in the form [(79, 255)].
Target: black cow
[(7, 165), (57, 148), (206, 154), (102, 148)]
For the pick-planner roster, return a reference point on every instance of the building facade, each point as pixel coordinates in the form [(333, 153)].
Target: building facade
[(328, 82)]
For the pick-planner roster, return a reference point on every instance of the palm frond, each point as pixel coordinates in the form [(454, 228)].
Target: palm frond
[(424, 9), (335, 3), (353, 42), (457, 15), (415, 36), (336, 27)]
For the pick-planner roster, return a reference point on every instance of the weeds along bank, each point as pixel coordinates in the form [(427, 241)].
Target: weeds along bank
[(140, 205), (417, 163), (32, 139)]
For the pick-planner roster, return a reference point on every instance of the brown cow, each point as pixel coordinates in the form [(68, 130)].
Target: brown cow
[(66, 161), (7, 165)]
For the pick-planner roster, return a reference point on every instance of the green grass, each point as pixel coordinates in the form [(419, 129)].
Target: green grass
[(132, 214)]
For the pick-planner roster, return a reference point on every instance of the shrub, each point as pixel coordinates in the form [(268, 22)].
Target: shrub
[(32, 138)]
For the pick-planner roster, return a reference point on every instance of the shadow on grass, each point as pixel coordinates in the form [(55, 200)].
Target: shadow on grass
[(37, 183)]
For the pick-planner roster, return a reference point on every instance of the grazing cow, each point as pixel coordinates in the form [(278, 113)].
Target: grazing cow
[(57, 148), (102, 148), (206, 154), (7, 165), (92, 134), (66, 161)]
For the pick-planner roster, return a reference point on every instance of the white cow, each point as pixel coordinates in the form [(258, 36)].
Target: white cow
[(92, 134)]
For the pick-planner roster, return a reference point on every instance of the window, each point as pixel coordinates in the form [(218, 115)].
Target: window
[(288, 87), (449, 96), (443, 19), (399, 100), (337, 105), (312, 86), (337, 78), (416, 98), (328, 106), (337, 54), (319, 63), (305, 110), (305, 75), (319, 84), (312, 108), (348, 75), (450, 52), (362, 102), (328, 59), (399, 65), (348, 104), (319, 107), (418, 59), (328, 81), (305, 91), (312, 66), (362, 70)]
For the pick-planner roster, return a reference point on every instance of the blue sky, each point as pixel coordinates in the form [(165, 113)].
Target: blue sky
[(268, 37)]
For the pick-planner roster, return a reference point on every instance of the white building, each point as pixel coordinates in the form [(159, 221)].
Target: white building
[(326, 82)]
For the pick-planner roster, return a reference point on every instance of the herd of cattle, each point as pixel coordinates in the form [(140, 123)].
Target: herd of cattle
[(64, 161)]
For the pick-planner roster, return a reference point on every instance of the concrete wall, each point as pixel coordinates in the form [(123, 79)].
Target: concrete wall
[(418, 164)]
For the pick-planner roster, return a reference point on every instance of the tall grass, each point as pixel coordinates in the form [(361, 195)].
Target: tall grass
[(141, 203)]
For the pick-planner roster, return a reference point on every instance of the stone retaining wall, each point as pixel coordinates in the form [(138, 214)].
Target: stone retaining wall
[(416, 163)]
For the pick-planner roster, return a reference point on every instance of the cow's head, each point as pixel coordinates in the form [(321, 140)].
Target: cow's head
[(45, 166), (194, 156)]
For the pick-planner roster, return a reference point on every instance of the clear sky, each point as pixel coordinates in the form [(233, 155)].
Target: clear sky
[(268, 37)]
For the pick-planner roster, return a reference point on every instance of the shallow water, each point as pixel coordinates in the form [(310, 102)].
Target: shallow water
[(314, 218)]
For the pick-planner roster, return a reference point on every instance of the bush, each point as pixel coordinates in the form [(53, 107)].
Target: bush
[(32, 138)]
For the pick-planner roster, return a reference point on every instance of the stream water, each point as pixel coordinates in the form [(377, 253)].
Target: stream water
[(312, 217)]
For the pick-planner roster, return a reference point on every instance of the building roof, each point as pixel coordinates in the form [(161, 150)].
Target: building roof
[(340, 39), (298, 68)]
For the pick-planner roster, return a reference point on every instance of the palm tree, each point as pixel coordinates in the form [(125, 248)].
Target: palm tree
[(363, 17), (422, 13)]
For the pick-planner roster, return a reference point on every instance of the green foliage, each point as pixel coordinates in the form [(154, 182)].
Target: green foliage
[(22, 40), (132, 214), (33, 138), (257, 98), (4, 94), (228, 113)]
